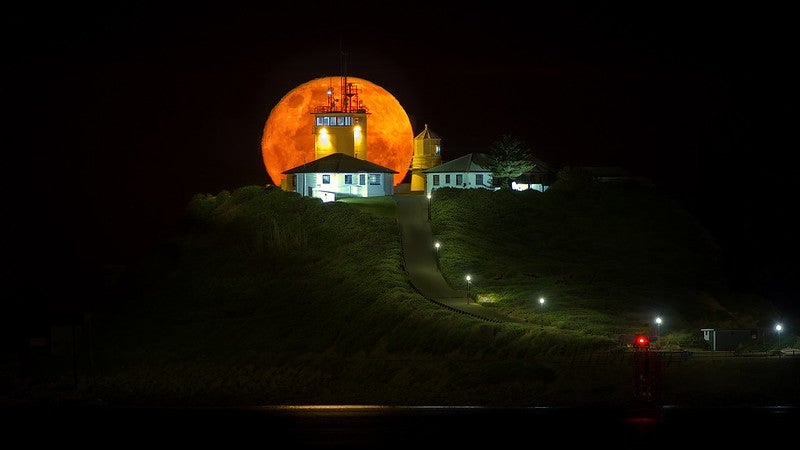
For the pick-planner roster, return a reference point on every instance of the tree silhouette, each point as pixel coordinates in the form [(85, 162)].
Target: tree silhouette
[(509, 158)]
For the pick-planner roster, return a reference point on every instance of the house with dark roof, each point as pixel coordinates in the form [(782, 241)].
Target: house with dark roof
[(472, 171), (339, 175), (467, 172)]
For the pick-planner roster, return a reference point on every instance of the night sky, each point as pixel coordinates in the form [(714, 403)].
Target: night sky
[(119, 114)]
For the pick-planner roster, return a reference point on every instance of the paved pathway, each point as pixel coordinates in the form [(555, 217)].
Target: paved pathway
[(420, 260)]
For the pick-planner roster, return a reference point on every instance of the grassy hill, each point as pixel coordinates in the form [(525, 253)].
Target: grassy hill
[(608, 259), (265, 297)]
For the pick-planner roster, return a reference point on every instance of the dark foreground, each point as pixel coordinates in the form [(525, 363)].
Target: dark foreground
[(395, 427)]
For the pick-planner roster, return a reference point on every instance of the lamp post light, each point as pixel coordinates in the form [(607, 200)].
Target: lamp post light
[(541, 302), (436, 245), (658, 327), (778, 328), (469, 281), (429, 206)]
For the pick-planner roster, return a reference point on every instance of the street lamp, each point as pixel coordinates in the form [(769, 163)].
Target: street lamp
[(541, 302), (436, 245), (469, 280), (658, 327), (778, 328), (429, 206)]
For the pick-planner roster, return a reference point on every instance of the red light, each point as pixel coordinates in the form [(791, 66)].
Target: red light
[(642, 341)]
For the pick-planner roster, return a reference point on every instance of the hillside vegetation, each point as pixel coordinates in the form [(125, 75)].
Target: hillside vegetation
[(607, 258), (265, 297)]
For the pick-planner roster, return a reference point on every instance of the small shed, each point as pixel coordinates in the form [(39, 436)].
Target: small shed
[(730, 340)]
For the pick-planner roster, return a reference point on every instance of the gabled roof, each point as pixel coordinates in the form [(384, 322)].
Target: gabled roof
[(471, 162), (338, 163), (427, 134)]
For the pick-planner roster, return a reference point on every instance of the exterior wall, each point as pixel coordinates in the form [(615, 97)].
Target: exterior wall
[(303, 182), (524, 187), (312, 185), (342, 139), (468, 180), (417, 180), (427, 154), (386, 186)]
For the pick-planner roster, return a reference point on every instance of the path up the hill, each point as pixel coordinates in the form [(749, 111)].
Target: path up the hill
[(419, 257)]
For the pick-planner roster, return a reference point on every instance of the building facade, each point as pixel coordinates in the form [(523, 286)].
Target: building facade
[(338, 175)]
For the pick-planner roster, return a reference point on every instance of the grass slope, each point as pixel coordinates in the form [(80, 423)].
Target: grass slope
[(269, 298)]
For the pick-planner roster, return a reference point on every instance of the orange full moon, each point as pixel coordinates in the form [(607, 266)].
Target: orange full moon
[(288, 139)]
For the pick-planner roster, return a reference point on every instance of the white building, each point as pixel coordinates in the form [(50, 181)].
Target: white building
[(467, 172), (472, 171), (339, 175)]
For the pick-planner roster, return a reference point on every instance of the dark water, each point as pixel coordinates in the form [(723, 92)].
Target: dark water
[(398, 427)]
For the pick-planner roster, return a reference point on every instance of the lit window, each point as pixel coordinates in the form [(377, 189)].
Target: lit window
[(374, 179), (436, 180), (326, 179), (324, 138)]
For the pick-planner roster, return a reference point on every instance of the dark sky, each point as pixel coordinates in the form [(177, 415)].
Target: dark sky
[(119, 113)]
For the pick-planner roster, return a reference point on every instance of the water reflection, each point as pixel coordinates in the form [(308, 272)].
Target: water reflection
[(373, 426)]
